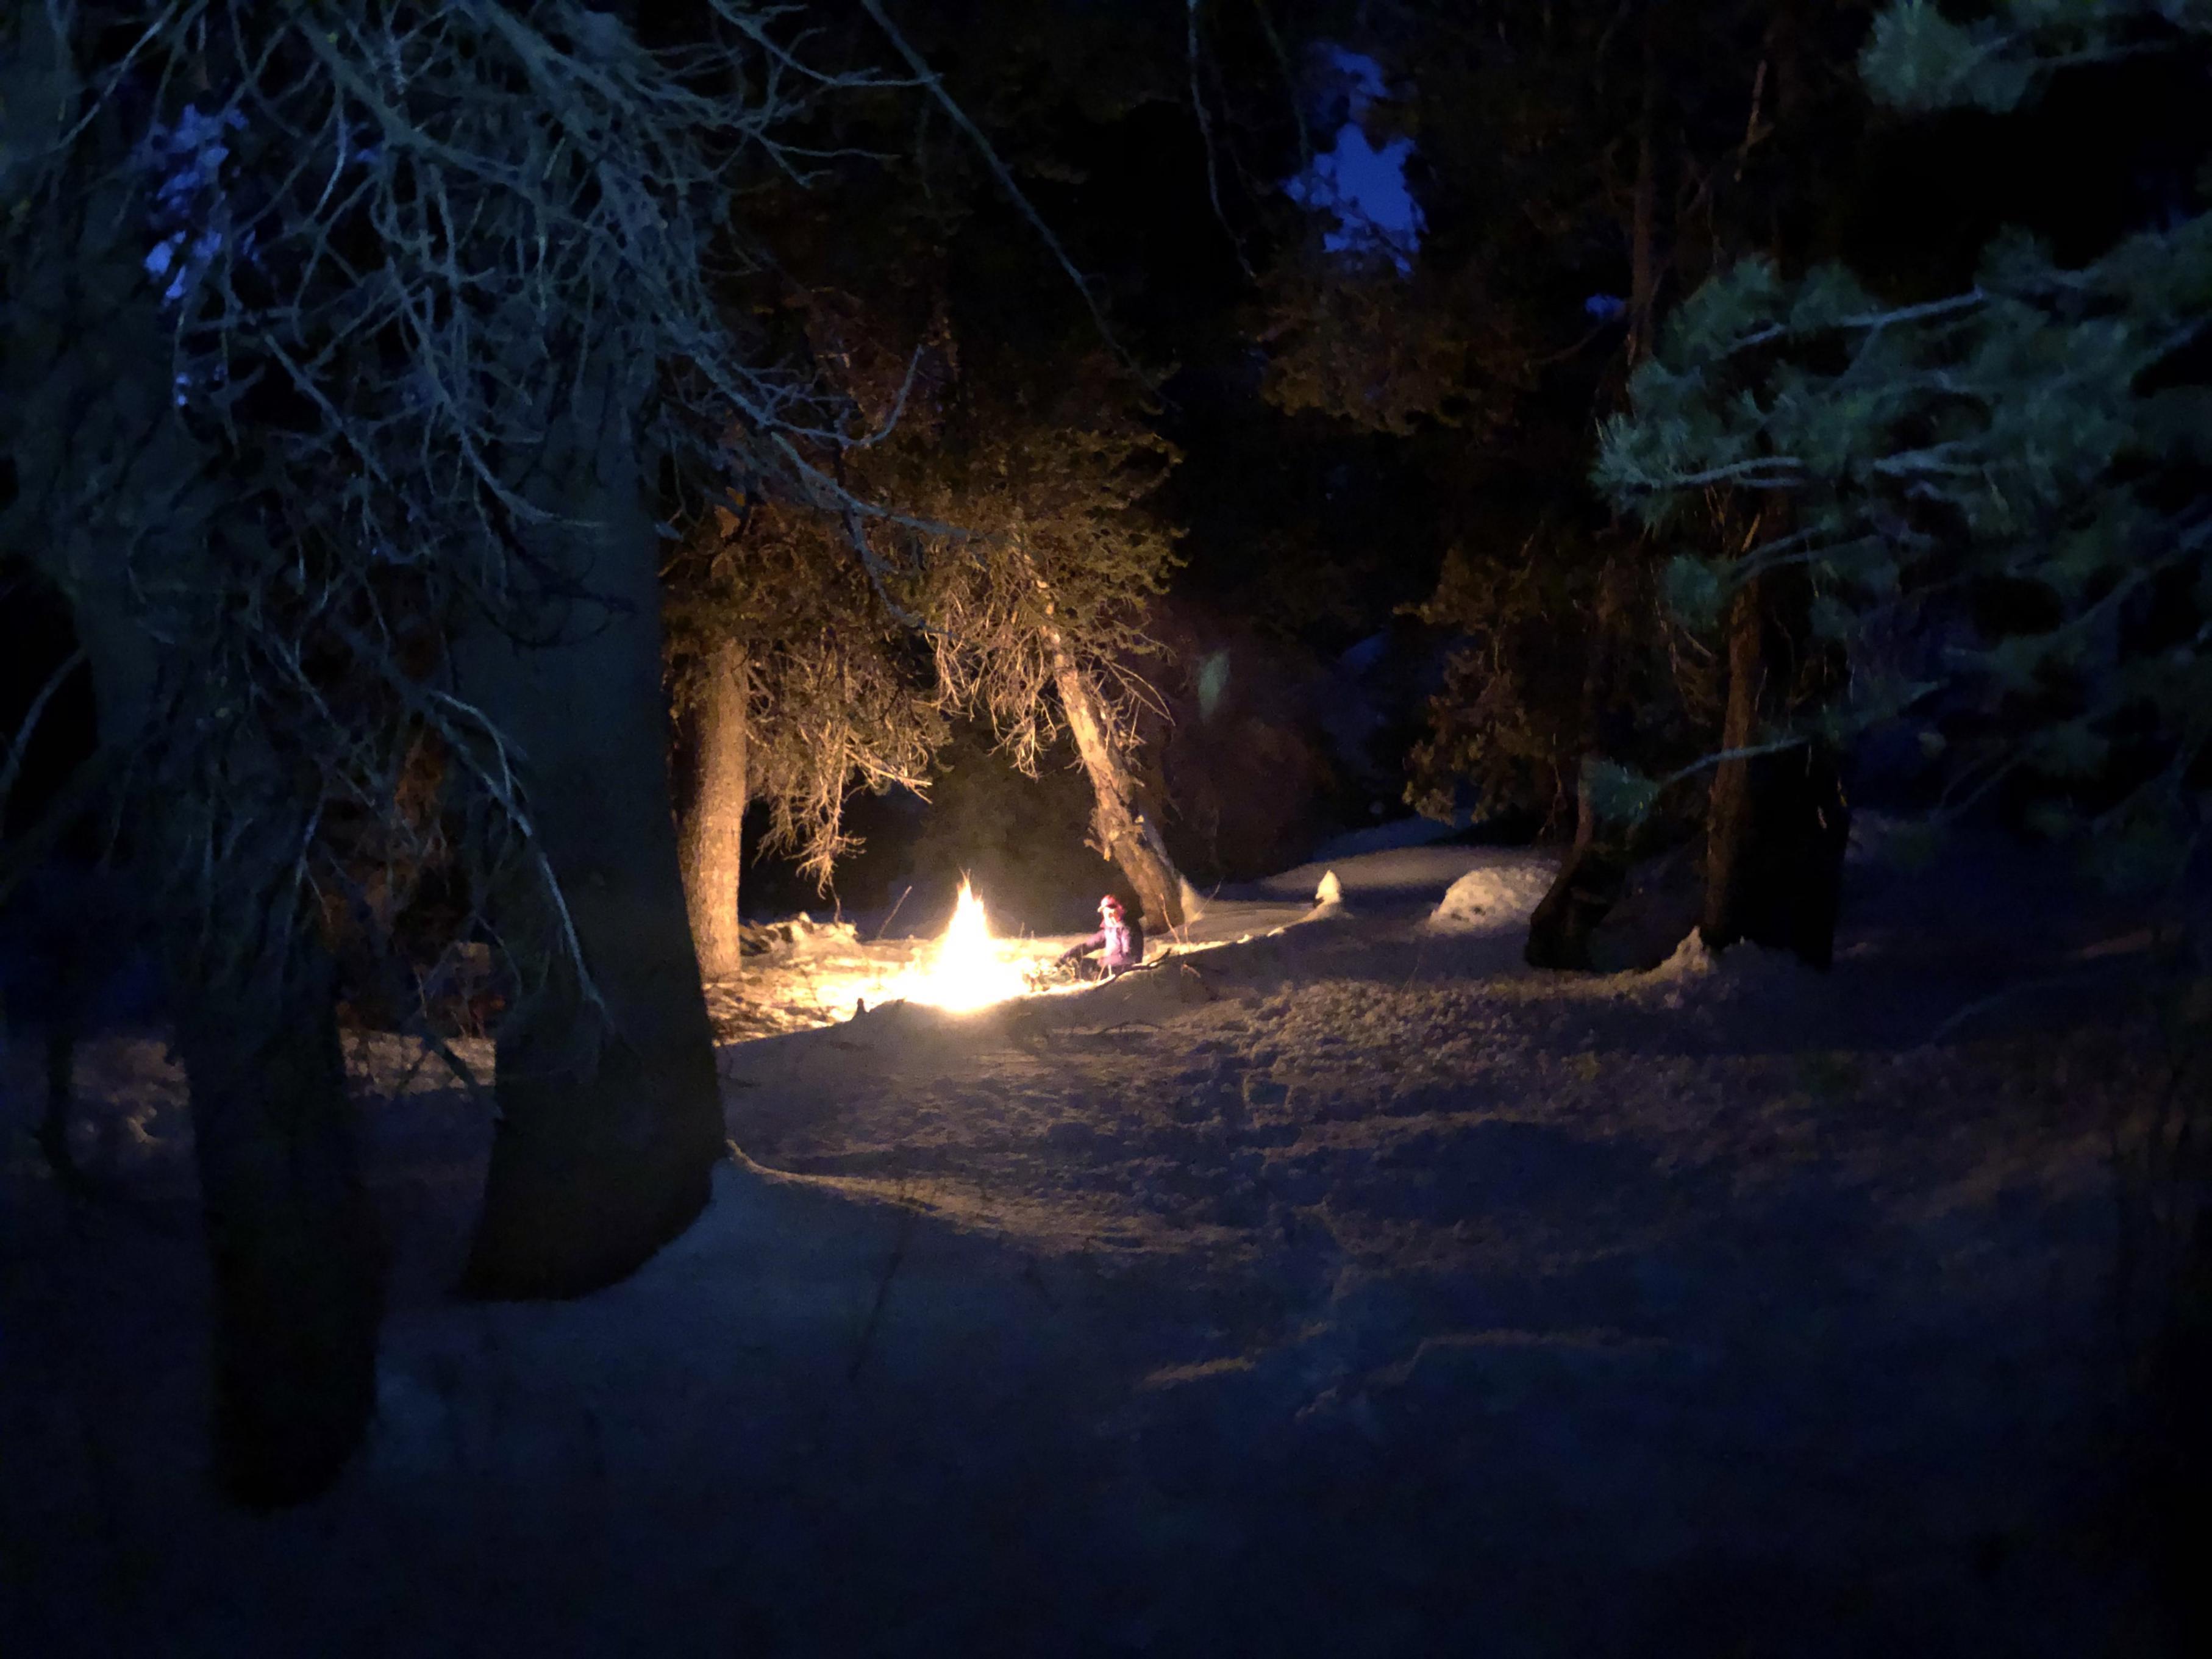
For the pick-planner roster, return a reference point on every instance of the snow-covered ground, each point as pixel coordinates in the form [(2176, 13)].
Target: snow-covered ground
[(1338, 1285)]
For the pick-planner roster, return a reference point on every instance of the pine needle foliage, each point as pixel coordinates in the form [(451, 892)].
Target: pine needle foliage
[(2039, 440)]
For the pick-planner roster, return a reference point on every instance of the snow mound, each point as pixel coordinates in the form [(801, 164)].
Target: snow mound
[(1692, 959), (1331, 891), (1743, 973), (1497, 895)]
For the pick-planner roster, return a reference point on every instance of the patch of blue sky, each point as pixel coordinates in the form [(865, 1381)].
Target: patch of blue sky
[(1359, 184), (171, 257), (1364, 189), (189, 212)]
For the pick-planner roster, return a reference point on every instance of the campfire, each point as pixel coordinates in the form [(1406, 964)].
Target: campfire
[(966, 969), (809, 973)]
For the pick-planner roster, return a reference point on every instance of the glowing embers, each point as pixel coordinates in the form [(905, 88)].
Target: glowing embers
[(967, 968)]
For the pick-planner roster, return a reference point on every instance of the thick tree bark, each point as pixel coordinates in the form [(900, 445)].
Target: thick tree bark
[(1126, 834), (610, 1117), (1777, 825), (298, 1267), (85, 372), (713, 830), (298, 1264)]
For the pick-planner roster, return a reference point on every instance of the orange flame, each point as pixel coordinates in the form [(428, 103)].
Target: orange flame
[(968, 969)]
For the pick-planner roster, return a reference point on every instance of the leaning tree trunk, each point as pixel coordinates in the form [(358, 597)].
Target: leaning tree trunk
[(713, 832), (1125, 833), (1777, 825), (609, 1118), (1586, 889), (1595, 869)]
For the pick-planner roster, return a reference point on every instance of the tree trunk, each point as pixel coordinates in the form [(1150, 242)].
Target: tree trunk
[(1644, 229), (1124, 834), (297, 1262), (609, 1116), (1587, 886), (714, 833), (1775, 829), (298, 1265), (1595, 870)]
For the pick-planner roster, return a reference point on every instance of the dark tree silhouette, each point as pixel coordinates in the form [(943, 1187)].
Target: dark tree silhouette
[(345, 346)]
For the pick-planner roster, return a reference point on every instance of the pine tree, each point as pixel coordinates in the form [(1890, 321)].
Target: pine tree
[(1583, 167), (2037, 438)]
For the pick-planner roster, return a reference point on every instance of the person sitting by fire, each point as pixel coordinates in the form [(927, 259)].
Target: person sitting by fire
[(1119, 942)]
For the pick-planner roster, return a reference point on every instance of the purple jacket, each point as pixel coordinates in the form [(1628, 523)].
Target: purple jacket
[(1122, 945)]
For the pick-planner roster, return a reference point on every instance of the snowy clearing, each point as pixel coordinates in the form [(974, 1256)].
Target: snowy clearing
[(1339, 1286)]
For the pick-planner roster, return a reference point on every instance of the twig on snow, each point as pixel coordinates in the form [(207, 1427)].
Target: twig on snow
[(908, 1212)]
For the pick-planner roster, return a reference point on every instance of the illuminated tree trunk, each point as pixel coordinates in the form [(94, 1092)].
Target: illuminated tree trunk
[(1777, 825), (1125, 833), (713, 832), (609, 1119)]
